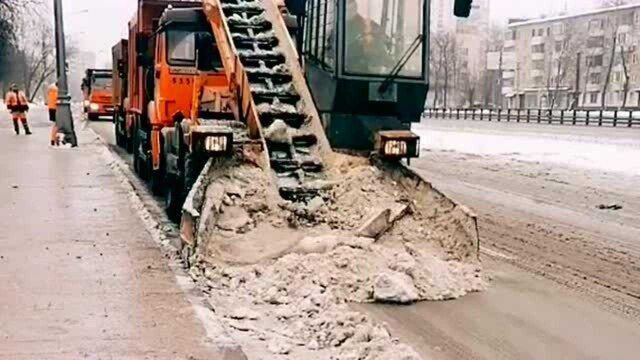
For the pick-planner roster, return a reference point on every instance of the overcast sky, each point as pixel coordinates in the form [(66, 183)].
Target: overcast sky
[(98, 24), (503, 9)]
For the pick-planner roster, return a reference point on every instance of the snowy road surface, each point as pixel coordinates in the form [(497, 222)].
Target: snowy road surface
[(565, 273), (605, 149)]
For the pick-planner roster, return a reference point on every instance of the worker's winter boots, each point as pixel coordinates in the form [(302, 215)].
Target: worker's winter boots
[(16, 127)]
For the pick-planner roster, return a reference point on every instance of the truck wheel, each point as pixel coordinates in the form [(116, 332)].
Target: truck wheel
[(157, 177), (174, 199), (138, 164), (120, 138), (93, 117), (156, 181), (128, 141)]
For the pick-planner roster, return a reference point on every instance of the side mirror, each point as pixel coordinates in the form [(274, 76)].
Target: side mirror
[(462, 8)]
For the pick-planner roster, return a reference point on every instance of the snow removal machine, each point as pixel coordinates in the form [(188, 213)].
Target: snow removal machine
[(289, 84)]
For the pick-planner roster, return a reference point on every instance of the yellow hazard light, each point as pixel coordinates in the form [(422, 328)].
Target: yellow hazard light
[(216, 143), (395, 148)]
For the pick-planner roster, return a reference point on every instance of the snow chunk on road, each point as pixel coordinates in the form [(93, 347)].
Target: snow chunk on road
[(394, 287)]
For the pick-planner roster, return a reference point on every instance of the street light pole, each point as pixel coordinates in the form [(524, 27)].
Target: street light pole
[(64, 117)]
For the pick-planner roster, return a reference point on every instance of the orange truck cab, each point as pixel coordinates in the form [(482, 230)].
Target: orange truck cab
[(96, 88), (177, 97)]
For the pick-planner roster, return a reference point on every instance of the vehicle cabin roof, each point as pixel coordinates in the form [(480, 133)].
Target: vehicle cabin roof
[(181, 17)]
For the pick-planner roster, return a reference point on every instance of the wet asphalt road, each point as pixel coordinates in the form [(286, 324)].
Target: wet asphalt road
[(563, 272), (521, 316), (80, 276)]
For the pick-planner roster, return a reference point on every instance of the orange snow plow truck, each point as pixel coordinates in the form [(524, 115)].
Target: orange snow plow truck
[(177, 111)]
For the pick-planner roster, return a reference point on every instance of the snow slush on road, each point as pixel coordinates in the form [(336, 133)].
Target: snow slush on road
[(284, 239), (281, 274)]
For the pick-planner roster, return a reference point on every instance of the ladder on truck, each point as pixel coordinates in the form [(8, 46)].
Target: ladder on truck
[(267, 101)]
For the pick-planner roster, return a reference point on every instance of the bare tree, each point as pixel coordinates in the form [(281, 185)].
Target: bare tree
[(612, 3), (443, 58), (471, 83), (11, 13), (612, 26), (37, 49), (562, 65), (625, 72), (39, 56)]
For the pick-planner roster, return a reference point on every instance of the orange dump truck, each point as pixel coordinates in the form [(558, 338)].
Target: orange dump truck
[(96, 88), (175, 112)]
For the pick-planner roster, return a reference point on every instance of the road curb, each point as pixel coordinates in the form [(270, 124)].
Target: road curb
[(165, 238)]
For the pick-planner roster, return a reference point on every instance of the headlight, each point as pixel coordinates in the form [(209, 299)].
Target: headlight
[(215, 143), (94, 107), (395, 147), (86, 103)]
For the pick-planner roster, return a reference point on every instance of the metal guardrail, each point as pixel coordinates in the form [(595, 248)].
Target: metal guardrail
[(609, 118)]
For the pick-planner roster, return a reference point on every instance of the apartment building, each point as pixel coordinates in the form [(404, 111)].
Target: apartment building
[(471, 38), (564, 61)]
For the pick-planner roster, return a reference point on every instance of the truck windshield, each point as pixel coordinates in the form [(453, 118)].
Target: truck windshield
[(102, 83), (183, 45), (379, 33)]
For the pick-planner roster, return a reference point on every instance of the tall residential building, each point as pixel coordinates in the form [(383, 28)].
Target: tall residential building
[(442, 19), (471, 39), (472, 35), (571, 61)]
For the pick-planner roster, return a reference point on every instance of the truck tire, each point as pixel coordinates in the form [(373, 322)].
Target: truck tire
[(156, 181), (176, 192), (120, 137), (93, 117), (174, 199), (128, 140), (157, 177), (138, 164)]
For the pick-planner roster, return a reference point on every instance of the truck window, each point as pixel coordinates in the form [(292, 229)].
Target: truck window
[(181, 47), (379, 34), (208, 55), (102, 83)]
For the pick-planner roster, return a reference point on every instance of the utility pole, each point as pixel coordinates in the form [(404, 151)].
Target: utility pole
[(64, 117), (498, 93), (576, 96)]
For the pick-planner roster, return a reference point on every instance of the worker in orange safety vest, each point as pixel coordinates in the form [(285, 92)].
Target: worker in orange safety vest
[(52, 104), (18, 106)]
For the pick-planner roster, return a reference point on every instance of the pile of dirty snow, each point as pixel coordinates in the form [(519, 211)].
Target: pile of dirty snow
[(281, 274)]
